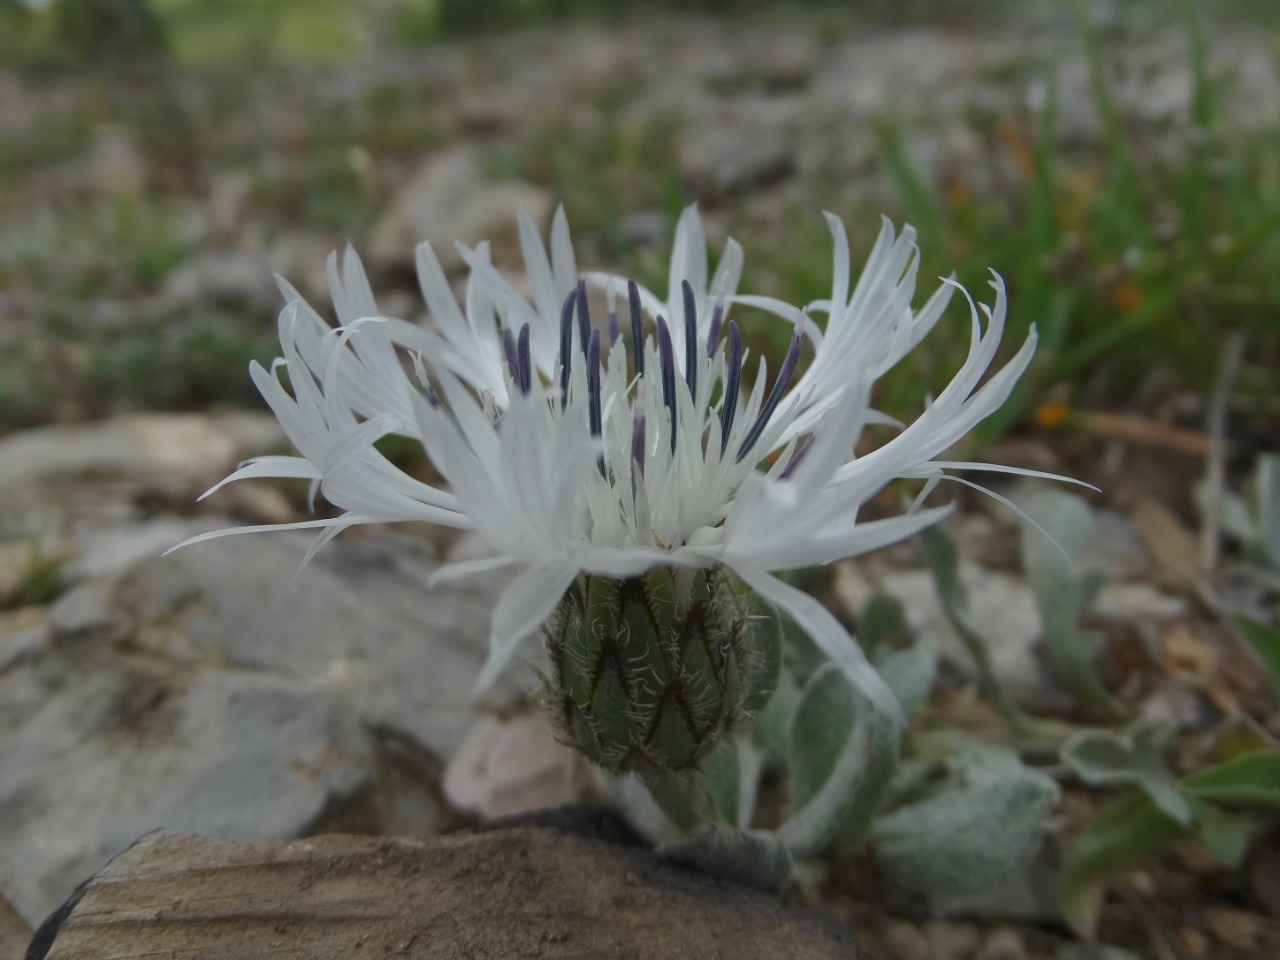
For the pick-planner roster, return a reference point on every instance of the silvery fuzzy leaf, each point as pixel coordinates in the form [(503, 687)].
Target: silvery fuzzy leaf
[(979, 825), (1269, 507), (723, 778), (772, 724), (841, 756), (1062, 592), (1103, 758), (910, 673), (732, 774), (883, 623), (754, 857)]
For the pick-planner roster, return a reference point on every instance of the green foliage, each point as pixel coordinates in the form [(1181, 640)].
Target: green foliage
[(1103, 758), (1255, 521), (944, 563), (842, 762), (841, 755), (1063, 593), (1249, 780), (1265, 641), (109, 30), (1136, 827), (979, 824), (1126, 255)]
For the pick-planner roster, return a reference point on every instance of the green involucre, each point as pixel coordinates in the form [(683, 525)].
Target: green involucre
[(651, 672)]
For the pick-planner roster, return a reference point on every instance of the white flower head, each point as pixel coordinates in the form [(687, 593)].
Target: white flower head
[(613, 450)]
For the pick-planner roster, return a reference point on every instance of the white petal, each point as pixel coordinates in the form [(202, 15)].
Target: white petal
[(521, 610), (827, 634), (468, 568)]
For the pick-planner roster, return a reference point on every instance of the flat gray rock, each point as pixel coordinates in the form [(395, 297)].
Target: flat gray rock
[(210, 691)]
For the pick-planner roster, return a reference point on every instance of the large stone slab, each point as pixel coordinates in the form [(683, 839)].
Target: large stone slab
[(508, 893), (220, 690)]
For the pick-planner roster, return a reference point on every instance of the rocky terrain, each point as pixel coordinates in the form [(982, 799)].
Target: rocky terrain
[(223, 691)]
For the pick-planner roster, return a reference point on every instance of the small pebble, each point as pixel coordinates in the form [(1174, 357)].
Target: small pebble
[(1002, 944), (904, 941)]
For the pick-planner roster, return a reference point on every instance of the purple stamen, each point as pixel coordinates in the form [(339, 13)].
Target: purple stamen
[(566, 346), (429, 392), (796, 458), (690, 339), (593, 382), (713, 338), (731, 386), (613, 317), (509, 348), (666, 358), (637, 328), (524, 360), (584, 318), (775, 395), (637, 443)]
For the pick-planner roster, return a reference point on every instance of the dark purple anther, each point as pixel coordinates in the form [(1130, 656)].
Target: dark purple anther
[(509, 348), (713, 335), (666, 358), (433, 398), (797, 457), (584, 318), (775, 395), (733, 380), (690, 339), (637, 326), (525, 361), (593, 382), (613, 317), (637, 442), (566, 346)]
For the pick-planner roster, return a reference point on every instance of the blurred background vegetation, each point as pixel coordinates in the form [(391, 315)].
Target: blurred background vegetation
[(128, 128)]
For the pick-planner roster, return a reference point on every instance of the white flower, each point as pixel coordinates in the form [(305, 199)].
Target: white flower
[(571, 449)]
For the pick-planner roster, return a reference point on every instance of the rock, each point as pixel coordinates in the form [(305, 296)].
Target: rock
[(1117, 548), (229, 204), (950, 940), (904, 941), (114, 551), (511, 766), (1003, 944), (1091, 951), (212, 690), (1138, 603), (448, 200), (780, 61), (231, 277), (302, 258), (23, 634), (1172, 546), (98, 748), (85, 613), (358, 618), (24, 561), (15, 933), (505, 893), (1001, 605), (1237, 928), (85, 466), (739, 144), (114, 165)]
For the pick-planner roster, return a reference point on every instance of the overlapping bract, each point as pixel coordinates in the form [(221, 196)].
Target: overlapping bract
[(582, 465)]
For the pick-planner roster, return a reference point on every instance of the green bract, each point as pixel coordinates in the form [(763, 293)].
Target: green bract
[(651, 672)]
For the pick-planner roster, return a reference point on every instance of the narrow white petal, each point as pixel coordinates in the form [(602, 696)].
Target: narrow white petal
[(827, 634), (521, 610), (468, 568)]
